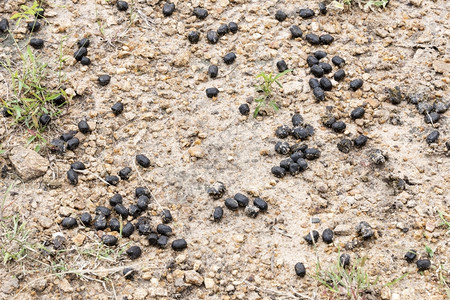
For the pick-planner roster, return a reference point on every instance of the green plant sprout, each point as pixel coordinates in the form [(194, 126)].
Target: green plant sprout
[(27, 11), (266, 89)]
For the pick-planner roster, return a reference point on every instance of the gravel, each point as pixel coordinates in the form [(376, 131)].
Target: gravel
[(364, 230)]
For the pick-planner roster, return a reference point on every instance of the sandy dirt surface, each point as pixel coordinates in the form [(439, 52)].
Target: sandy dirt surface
[(193, 141)]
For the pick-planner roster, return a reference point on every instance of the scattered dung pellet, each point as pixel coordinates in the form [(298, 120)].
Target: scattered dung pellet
[(125, 173), (357, 113), (338, 61), (84, 42), (344, 260), (144, 229), (212, 92), (134, 211), (364, 230), (83, 127), (233, 27), (78, 165), (212, 36), (283, 132), (34, 26), (69, 222), (312, 60), (339, 126), (309, 238), (143, 160), (100, 222), (322, 8), (162, 241), (152, 239), (193, 37), (432, 117), (281, 66), (6, 112), (296, 32), (117, 108), (59, 241), (142, 202), (223, 29), (312, 38), (213, 71), (121, 210), (326, 84), (433, 137), (244, 109), (312, 153), (360, 141), (326, 39), (229, 58), (164, 229), (116, 199), (241, 199), (356, 84), (317, 71), (166, 216), (112, 179), (326, 67), (37, 43), (59, 100), (86, 219), (297, 155), (168, 9), (280, 15), (102, 210), (447, 145), (200, 13), (57, 145), (139, 191), (303, 164), (179, 245), (80, 53), (260, 203), (327, 236), (294, 169), (45, 119), (424, 108), (300, 133), (297, 120), (286, 163), (300, 270), (345, 145), (4, 25), (134, 252), (72, 176), (313, 83), (328, 120), (282, 148), (67, 136), (127, 230), (114, 225), (306, 13), (122, 5), (410, 256), (377, 157), (85, 61), (128, 273), (440, 107), (278, 172), (40, 11), (231, 204), (423, 264), (251, 211), (319, 54), (218, 213), (217, 190), (104, 79), (339, 75)]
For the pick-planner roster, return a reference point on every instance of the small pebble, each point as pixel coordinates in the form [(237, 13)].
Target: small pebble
[(124, 173), (117, 108), (104, 80), (280, 15), (200, 13), (69, 222), (251, 211), (360, 141), (212, 92), (231, 204), (260, 203), (241, 199), (83, 127), (296, 32), (194, 37), (212, 36), (213, 71), (229, 58), (217, 190), (344, 260), (327, 236), (281, 66), (365, 230), (356, 84), (37, 43), (410, 256), (86, 219), (218, 213), (164, 229), (134, 252), (306, 13), (168, 9), (339, 126), (313, 39), (300, 269), (283, 132), (244, 109), (143, 160), (339, 75), (116, 199), (72, 176), (122, 5), (179, 245), (345, 145), (309, 238), (433, 137), (326, 39), (100, 222), (357, 113), (127, 230), (338, 61), (423, 264)]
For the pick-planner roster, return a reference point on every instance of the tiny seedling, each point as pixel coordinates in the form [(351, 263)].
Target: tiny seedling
[(429, 251), (266, 89), (444, 221), (26, 12)]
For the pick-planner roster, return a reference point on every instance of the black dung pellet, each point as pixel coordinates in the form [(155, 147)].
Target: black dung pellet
[(168, 9), (344, 260), (326, 84), (280, 15), (447, 145), (194, 37), (122, 5), (281, 66), (244, 109), (59, 100), (44, 120), (83, 126), (114, 225), (100, 222), (365, 230), (317, 71), (309, 238), (294, 169), (85, 61), (4, 25), (313, 39), (179, 245), (312, 60), (283, 132), (282, 148), (306, 13), (357, 113), (57, 145), (134, 211), (162, 241), (104, 79), (33, 26), (143, 160), (423, 264), (241, 199), (299, 148), (231, 204), (127, 230), (134, 252), (212, 37), (166, 216), (200, 13), (152, 239), (278, 172), (296, 32), (69, 222), (286, 163), (433, 137), (260, 203), (440, 107), (319, 54), (142, 202), (73, 143), (360, 141), (213, 71), (117, 108), (326, 39), (313, 83), (164, 229), (300, 133), (338, 61), (112, 179), (72, 176), (339, 126), (102, 210), (312, 153), (86, 219), (233, 27), (319, 93), (339, 75), (128, 273), (124, 173), (212, 92), (303, 164), (222, 30), (218, 213), (116, 199), (327, 236), (410, 256), (37, 43), (297, 155), (251, 211), (297, 120), (345, 145), (229, 58), (328, 120), (84, 42), (121, 210), (144, 229), (300, 270), (356, 84), (6, 112), (217, 190), (322, 8), (424, 108), (432, 117), (80, 53)]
